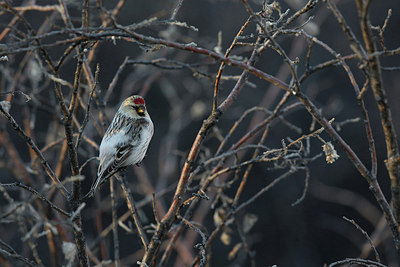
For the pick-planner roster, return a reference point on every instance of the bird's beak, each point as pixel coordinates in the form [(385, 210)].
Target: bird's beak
[(140, 110)]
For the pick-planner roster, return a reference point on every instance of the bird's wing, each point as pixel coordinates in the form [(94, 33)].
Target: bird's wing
[(123, 152), (111, 167), (108, 150), (114, 150)]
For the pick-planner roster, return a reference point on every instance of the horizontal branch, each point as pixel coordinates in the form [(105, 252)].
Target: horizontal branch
[(38, 195)]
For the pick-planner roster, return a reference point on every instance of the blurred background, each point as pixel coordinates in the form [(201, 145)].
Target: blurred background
[(179, 94)]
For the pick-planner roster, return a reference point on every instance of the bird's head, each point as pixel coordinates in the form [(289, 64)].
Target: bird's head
[(134, 106)]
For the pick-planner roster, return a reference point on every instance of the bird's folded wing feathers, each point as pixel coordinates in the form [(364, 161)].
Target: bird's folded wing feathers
[(121, 156), (113, 165)]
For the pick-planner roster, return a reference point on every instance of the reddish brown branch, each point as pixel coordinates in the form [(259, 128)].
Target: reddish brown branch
[(374, 68)]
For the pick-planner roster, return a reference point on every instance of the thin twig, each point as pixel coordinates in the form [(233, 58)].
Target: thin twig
[(18, 257), (201, 246), (39, 154), (131, 205), (38, 195), (153, 197), (114, 216), (377, 85), (86, 120), (352, 261), (366, 236)]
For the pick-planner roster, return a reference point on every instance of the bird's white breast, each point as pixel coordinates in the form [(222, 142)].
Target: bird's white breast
[(140, 146)]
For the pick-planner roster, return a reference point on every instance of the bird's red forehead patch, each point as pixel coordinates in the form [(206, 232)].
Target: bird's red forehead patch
[(139, 101)]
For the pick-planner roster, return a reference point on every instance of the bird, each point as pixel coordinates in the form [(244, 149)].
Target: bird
[(125, 141)]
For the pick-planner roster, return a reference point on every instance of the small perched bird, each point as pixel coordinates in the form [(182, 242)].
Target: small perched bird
[(125, 141)]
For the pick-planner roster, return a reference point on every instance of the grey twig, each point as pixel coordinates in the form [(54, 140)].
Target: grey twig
[(366, 236), (38, 195), (352, 261), (16, 256), (114, 216), (131, 205)]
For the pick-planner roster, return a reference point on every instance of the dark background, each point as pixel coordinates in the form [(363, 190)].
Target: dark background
[(311, 233)]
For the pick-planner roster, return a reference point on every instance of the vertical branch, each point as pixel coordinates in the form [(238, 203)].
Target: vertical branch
[(374, 68), (114, 216), (222, 65), (176, 9), (86, 119), (73, 156), (356, 46), (72, 150), (131, 205), (85, 14), (74, 199)]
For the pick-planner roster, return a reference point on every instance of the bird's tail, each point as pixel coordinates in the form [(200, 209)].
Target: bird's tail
[(100, 180), (93, 188), (95, 185)]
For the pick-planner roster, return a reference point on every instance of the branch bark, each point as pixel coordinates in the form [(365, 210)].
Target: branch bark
[(374, 68)]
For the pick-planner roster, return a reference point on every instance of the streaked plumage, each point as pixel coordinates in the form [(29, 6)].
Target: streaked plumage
[(125, 141)]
